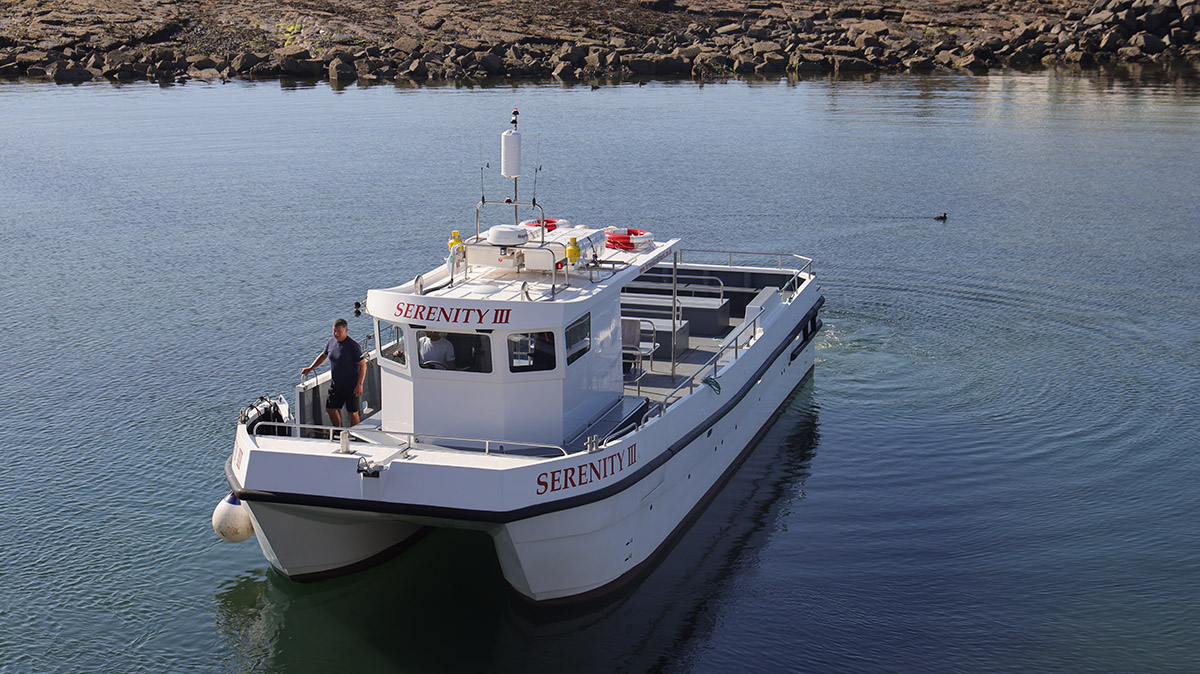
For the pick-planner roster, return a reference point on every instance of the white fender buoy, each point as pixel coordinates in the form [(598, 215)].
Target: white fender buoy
[(231, 520)]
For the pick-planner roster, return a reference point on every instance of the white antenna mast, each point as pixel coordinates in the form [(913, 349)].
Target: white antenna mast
[(510, 158)]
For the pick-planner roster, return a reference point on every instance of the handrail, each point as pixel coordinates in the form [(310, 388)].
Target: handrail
[(696, 277), (734, 340), (806, 267), (298, 427), (410, 438), (637, 363)]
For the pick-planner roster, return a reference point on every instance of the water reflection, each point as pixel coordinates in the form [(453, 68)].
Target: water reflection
[(444, 606)]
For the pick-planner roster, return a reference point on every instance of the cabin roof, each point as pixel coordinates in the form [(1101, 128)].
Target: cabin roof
[(497, 282)]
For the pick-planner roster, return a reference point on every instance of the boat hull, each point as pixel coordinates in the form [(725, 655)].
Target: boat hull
[(583, 546), (590, 550), (308, 543)]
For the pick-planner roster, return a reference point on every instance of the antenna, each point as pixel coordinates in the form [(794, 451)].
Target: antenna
[(510, 158), (482, 165)]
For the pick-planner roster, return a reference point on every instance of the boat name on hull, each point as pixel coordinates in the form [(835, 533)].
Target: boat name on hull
[(592, 471)]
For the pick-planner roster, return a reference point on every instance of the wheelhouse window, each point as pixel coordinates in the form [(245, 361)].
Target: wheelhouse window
[(531, 351), (579, 338), (463, 351), (391, 342)]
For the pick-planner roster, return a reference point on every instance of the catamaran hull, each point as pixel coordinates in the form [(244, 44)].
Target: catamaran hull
[(311, 543), (572, 552), (589, 550)]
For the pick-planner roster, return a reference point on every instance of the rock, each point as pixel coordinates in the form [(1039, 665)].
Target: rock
[(641, 66), (971, 62), (31, 57), (265, 70), (809, 63), (405, 45), (489, 62), (1101, 18), (1081, 58), (874, 27), (416, 70), (1112, 41), (564, 71), (918, 64), (765, 47), (295, 51), (713, 60), (671, 65), (771, 63), (200, 62), (866, 40), (730, 29), (303, 68), (1147, 43), (63, 74), (342, 71), (852, 64), (242, 63)]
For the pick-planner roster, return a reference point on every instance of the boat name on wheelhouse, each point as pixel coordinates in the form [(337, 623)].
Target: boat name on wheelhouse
[(431, 313)]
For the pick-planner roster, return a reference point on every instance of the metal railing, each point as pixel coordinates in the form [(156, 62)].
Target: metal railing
[(410, 439), (789, 289), (733, 341), (720, 289)]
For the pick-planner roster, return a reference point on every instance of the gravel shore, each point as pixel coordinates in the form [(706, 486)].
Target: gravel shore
[(421, 41)]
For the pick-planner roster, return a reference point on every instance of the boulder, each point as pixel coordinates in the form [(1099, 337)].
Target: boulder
[(64, 74), (304, 68), (342, 71), (489, 62), (1101, 18), (405, 45), (874, 27), (809, 62), (1112, 41), (919, 64), (32, 57), (564, 71), (971, 62), (295, 52), (852, 64), (713, 60), (200, 62), (415, 70), (671, 65), (1147, 43), (641, 66), (242, 63)]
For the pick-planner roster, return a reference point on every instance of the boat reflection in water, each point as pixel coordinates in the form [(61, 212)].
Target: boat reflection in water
[(442, 605)]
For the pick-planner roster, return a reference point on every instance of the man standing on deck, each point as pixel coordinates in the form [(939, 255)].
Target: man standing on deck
[(348, 367)]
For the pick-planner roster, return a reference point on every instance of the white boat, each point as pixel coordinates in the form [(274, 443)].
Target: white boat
[(604, 386)]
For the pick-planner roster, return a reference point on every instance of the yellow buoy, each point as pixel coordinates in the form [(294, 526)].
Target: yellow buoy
[(573, 251), (454, 240)]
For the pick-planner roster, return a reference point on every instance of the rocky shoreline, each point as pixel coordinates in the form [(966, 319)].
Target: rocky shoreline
[(72, 41)]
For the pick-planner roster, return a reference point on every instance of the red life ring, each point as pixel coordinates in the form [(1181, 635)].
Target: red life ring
[(629, 239), (550, 223)]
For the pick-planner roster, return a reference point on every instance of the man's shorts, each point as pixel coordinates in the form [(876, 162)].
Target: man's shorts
[(337, 399)]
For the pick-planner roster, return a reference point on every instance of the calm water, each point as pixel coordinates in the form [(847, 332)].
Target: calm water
[(993, 468)]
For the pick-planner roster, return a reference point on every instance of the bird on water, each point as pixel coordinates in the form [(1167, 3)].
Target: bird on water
[(941, 217)]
